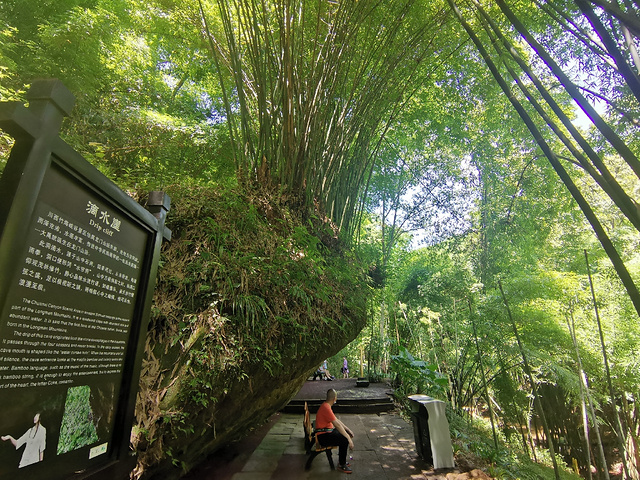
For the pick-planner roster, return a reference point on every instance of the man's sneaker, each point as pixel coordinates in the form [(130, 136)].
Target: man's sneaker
[(344, 469)]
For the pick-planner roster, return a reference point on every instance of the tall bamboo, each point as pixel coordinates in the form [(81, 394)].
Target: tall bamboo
[(584, 393), (484, 378), (596, 168), (310, 89), (618, 425), (632, 22), (615, 141), (593, 220), (624, 69), (534, 389)]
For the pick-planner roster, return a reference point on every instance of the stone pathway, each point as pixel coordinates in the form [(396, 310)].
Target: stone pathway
[(384, 450)]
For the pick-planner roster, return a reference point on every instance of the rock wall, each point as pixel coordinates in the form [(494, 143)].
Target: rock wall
[(250, 299)]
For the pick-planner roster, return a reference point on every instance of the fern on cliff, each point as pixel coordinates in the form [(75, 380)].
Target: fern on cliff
[(250, 298)]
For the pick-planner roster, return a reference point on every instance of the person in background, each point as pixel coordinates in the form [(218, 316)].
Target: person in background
[(35, 440), (325, 369), (345, 368), (331, 431)]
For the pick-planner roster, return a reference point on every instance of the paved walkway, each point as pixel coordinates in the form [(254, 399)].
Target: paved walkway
[(384, 449), (384, 445), (346, 388)]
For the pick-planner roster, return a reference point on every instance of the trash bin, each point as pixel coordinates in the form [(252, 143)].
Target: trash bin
[(431, 431), (420, 420)]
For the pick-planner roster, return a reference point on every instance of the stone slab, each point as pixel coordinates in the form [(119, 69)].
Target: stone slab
[(384, 450)]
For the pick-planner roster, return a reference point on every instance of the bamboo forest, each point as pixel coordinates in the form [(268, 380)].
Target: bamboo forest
[(446, 192)]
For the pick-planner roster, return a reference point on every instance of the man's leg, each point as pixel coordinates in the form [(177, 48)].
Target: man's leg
[(335, 438)]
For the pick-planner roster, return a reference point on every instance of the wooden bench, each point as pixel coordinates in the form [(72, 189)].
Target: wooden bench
[(311, 444)]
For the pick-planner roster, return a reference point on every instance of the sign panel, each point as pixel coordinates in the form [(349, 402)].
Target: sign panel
[(78, 259), (65, 327)]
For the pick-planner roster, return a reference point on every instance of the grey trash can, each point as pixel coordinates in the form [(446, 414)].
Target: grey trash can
[(431, 431)]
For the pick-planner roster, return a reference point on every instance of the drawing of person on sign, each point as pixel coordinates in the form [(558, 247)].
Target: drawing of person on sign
[(35, 440)]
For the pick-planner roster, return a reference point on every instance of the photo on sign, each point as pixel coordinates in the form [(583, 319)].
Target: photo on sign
[(87, 418)]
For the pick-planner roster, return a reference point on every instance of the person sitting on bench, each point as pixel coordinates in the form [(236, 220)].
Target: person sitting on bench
[(323, 372), (331, 431)]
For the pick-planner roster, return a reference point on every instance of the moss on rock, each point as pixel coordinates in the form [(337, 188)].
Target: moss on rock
[(250, 299)]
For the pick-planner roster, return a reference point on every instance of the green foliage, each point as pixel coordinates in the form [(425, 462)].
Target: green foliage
[(389, 108), (144, 115), (246, 288), (473, 446), (415, 376), (311, 89), (78, 428)]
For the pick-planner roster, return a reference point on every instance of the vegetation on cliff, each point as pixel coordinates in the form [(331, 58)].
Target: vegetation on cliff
[(290, 133), (251, 298)]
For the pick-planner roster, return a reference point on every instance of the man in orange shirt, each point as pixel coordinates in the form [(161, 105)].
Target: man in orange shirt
[(332, 431)]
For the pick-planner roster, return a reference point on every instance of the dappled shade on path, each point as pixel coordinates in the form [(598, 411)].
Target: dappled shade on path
[(384, 450)]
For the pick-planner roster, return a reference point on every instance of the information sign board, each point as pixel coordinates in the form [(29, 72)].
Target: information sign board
[(78, 260)]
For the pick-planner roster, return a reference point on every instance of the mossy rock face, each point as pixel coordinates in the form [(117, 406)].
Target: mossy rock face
[(250, 299)]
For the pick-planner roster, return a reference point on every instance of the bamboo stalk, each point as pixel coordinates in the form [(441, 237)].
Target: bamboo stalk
[(615, 141), (313, 88), (612, 47), (606, 181), (584, 392), (629, 20), (484, 379), (604, 239), (534, 390), (618, 425)]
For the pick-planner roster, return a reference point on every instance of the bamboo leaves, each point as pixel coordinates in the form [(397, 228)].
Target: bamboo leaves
[(626, 204), (314, 86)]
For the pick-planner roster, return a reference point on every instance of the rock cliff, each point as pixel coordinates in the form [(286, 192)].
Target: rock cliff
[(250, 299)]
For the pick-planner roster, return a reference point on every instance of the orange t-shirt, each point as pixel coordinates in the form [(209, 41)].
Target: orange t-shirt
[(324, 417)]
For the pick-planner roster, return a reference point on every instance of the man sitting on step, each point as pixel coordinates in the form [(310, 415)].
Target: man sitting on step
[(331, 431)]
